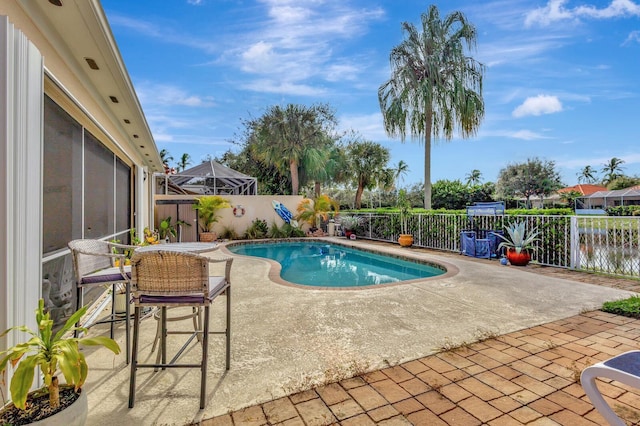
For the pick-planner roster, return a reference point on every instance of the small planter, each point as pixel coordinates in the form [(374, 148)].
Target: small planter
[(348, 233), (518, 259), (208, 237), (405, 240), (73, 415)]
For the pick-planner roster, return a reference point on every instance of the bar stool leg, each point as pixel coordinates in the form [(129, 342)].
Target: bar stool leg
[(134, 357), (205, 358)]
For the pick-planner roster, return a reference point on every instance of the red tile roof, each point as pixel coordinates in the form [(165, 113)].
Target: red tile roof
[(584, 189)]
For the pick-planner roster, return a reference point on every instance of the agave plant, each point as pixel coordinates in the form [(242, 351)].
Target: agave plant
[(518, 239)]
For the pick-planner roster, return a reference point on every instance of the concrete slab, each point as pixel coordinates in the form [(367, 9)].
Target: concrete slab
[(286, 339)]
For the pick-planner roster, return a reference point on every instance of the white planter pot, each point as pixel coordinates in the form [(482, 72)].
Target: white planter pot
[(73, 415), (121, 303)]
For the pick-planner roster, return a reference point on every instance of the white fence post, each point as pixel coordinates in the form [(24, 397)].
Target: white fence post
[(574, 243)]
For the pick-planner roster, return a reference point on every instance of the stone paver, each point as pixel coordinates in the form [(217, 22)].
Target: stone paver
[(525, 377)]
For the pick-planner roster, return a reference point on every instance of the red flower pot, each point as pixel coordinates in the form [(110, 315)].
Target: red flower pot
[(518, 259)]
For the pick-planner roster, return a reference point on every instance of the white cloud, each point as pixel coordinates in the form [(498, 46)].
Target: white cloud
[(301, 41), (370, 126), (283, 87), (523, 134), (152, 95), (555, 10), (538, 105), (633, 37), (526, 135)]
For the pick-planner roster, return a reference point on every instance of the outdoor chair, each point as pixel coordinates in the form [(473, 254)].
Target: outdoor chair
[(624, 368), (101, 263), (167, 279)]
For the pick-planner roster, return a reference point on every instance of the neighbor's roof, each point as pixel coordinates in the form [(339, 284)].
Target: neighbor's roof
[(584, 189), (633, 191), (208, 169)]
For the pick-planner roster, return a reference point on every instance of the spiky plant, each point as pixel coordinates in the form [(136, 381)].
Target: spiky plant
[(518, 239)]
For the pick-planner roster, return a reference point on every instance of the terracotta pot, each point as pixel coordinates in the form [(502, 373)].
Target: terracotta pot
[(405, 240), (208, 237), (518, 259)]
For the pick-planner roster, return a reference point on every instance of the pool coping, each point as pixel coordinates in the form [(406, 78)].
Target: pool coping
[(275, 267)]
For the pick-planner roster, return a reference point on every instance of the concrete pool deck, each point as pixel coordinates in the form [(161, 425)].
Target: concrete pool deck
[(287, 339)]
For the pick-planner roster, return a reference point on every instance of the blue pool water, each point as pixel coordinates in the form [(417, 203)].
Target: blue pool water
[(329, 265)]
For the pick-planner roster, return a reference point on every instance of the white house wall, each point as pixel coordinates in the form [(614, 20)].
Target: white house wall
[(21, 106)]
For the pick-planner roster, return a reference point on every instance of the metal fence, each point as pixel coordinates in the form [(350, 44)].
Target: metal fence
[(603, 244)]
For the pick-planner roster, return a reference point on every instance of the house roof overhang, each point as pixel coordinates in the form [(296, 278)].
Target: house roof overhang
[(77, 30)]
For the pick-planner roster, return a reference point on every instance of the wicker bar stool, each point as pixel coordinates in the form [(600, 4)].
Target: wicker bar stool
[(167, 279), (94, 264)]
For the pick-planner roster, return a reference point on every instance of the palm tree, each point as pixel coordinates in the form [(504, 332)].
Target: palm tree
[(165, 157), (367, 160), (185, 160), (435, 88), (612, 170), (285, 135), (400, 171), (474, 177), (586, 175)]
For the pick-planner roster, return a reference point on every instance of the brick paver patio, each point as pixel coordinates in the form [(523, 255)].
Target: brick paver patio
[(526, 377)]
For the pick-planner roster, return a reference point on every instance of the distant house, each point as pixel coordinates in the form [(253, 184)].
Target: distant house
[(620, 197), (556, 197), (584, 189)]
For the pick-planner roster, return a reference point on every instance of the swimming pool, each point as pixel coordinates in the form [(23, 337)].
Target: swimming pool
[(321, 264)]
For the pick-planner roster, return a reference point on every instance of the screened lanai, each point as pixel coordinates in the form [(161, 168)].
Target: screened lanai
[(619, 197), (211, 178)]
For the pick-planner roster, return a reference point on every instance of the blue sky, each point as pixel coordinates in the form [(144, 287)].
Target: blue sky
[(562, 79)]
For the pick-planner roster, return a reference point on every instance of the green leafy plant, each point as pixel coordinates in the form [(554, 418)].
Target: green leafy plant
[(167, 228), (258, 229), (518, 239), (314, 211), (404, 208), (629, 307), (52, 353), (208, 207)]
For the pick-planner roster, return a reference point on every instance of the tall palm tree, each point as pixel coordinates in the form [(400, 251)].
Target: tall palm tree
[(474, 177), (285, 135), (185, 160), (587, 175), (165, 157), (435, 88), (612, 170)]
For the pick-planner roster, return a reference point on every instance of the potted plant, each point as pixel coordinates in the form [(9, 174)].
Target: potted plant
[(518, 243), (315, 211), (208, 207), (167, 229), (349, 224), (58, 405), (404, 208)]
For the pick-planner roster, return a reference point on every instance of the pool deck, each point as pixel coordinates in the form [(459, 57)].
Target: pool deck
[(388, 352)]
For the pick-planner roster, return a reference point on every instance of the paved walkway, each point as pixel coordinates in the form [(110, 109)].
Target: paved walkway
[(525, 377)]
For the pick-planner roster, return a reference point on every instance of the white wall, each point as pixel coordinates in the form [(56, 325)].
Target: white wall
[(21, 112)]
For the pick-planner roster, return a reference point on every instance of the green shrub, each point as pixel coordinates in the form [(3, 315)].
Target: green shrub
[(623, 211), (626, 307), (258, 229)]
